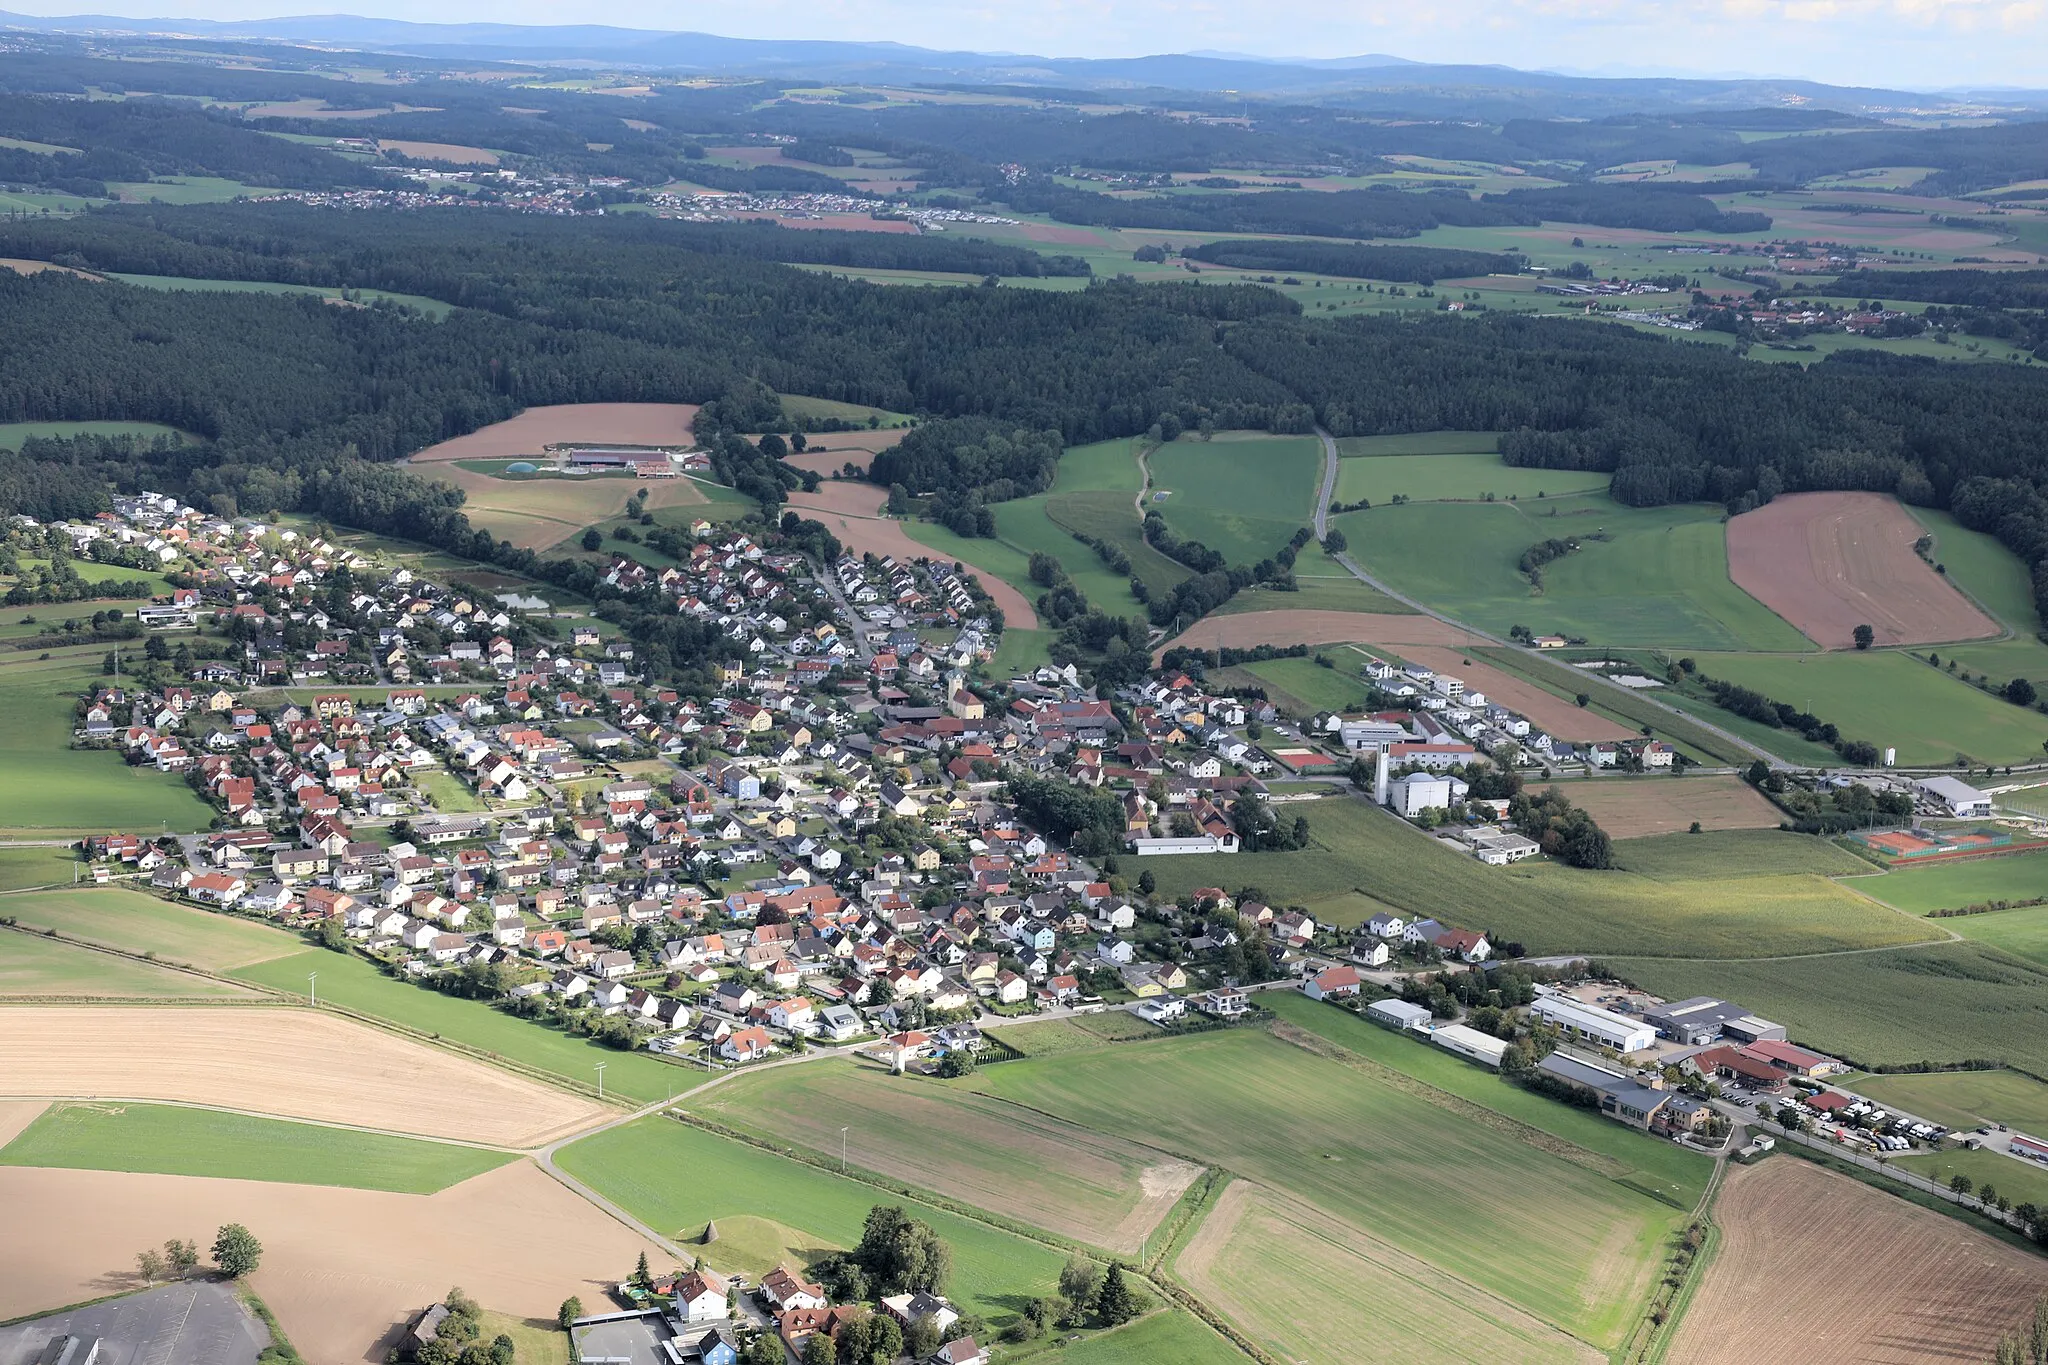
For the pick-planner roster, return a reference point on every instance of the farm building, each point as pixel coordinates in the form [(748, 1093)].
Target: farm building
[(1595, 1025), (2030, 1148), (1399, 1014), (1703, 1019), (1960, 798), (1470, 1044)]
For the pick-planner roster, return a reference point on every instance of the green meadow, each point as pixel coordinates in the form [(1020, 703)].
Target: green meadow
[(131, 920), (1455, 478), (1964, 1099), (1893, 699), (170, 1139), (12, 434), (1642, 576), (1243, 494), (431, 307), (1954, 885), (32, 965)]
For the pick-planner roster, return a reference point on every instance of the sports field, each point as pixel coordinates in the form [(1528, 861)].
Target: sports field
[(269, 1060), (1548, 907), (1441, 1182), (1067, 1180), (33, 966), (1642, 576), (1829, 562), (1455, 478), (1964, 1099), (1242, 494), (1949, 887), (354, 984), (140, 923), (1631, 808), (1817, 1258), (771, 1210), (170, 1139), (1943, 1002), (1893, 700)]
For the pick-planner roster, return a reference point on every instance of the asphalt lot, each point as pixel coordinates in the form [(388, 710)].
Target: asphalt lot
[(194, 1323)]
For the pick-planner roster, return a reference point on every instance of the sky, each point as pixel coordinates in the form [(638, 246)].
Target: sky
[(1908, 44)]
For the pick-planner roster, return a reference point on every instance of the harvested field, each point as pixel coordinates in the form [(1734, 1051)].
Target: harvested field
[(16, 1115), (638, 424), (1828, 562), (1546, 710), (1102, 1190), (290, 1062), (452, 153), (342, 1269), (1291, 627), (1630, 808), (1814, 1257), (851, 511), (828, 452), (1265, 1260), (21, 267)]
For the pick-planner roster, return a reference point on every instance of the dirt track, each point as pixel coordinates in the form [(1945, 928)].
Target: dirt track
[(342, 1269), (1828, 562), (293, 1062), (851, 511), (1245, 629), (521, 437), (1550, 713), (1822, 1269)]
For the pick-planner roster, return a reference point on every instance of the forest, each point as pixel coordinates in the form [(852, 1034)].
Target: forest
[(1968, 288)]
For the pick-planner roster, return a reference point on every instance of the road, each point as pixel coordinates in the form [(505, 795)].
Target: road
[(1352, 567)]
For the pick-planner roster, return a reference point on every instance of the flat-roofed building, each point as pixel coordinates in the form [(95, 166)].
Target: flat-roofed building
[(1595, 1025)]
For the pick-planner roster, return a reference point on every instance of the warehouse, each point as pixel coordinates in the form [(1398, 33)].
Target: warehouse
[(1398, 1014), (1595, 1025), (1470, 1044), (1961, 798), (1703, 1019)]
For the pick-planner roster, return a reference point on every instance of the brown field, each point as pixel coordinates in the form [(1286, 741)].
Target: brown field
[(38, 267), (1628, 808), (271, 1060), (1828, 562), (16, 1115), (846, 222), (312, 108), (522, 437), (342, 1269), (848, 511), (535, 514), (1832, 1272), (1267, 1262), (1064, 236), (1551, 713), (452, 153), (1249, 628)]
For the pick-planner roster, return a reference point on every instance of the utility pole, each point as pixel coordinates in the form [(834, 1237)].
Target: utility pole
[(600, 1080), (842, 1151), (313, 987)]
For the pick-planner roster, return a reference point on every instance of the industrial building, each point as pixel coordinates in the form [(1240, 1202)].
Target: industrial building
[(1470, 1044), (1595, 1025), (1961, 799), (1703, 1019), (1398, 1014)]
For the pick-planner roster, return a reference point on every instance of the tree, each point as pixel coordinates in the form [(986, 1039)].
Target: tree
[(236, 1251), (1147, 883), (921, 1338), (150, 1265), (182, 1257), (1961, 1184), (1582, 699), (1079, 1279), (902, 1253), (566, 1315), (643, 1278), (1865, 637), (764, 1349), (593, 539), (1116, 1302), (2020, 692), (885, 1337), (1756, 772)]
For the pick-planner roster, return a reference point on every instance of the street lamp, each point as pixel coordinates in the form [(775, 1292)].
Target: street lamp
[(313, 988), (842, 1151), (600, 1080)]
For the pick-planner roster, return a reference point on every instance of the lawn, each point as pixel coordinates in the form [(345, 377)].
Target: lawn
[(31, 965), (26, 867), (355, 984), (1455, 478), (1440, 1180), (1172, 1335), (1949, 887), (771, 1210), (1037, 1170), (535, 1341), (139, 923), (446, 792), (2022, 1182), (12, 434), (1342, 688), (1546, 906), (1893, 700), (1964, 1099), (171, 1139), (1642, 576), (1242, 494), (46, 784), (1944, 1002), (1320, 585)]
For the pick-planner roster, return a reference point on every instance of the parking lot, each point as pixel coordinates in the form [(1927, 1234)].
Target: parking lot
[(197, 1322), (629, 1340)]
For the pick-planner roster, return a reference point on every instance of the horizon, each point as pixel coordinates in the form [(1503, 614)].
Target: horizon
[(1897, 44)]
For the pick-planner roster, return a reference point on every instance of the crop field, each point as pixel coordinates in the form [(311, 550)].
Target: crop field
[(46, 784), (12, 434), (1734, 853), (343, 1269), (771, 1210), (186, 189), (1266, 1262), (1642, 576), (1242, 494), (139, 923), (1632, 808), (1818, 1258), (522, 437), (1828, 562), (1455, 478), (1942, 1002), (1439, 1182), (33, 966), (1067, 1180), (1548, 712), (1893, 700), (170, 1139), (1275, 625), (26, 867), (538, 513), (354, 984), (2023, 933), (1547, 906), (289, 1062), (1954, 885), (1964, 1099)]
